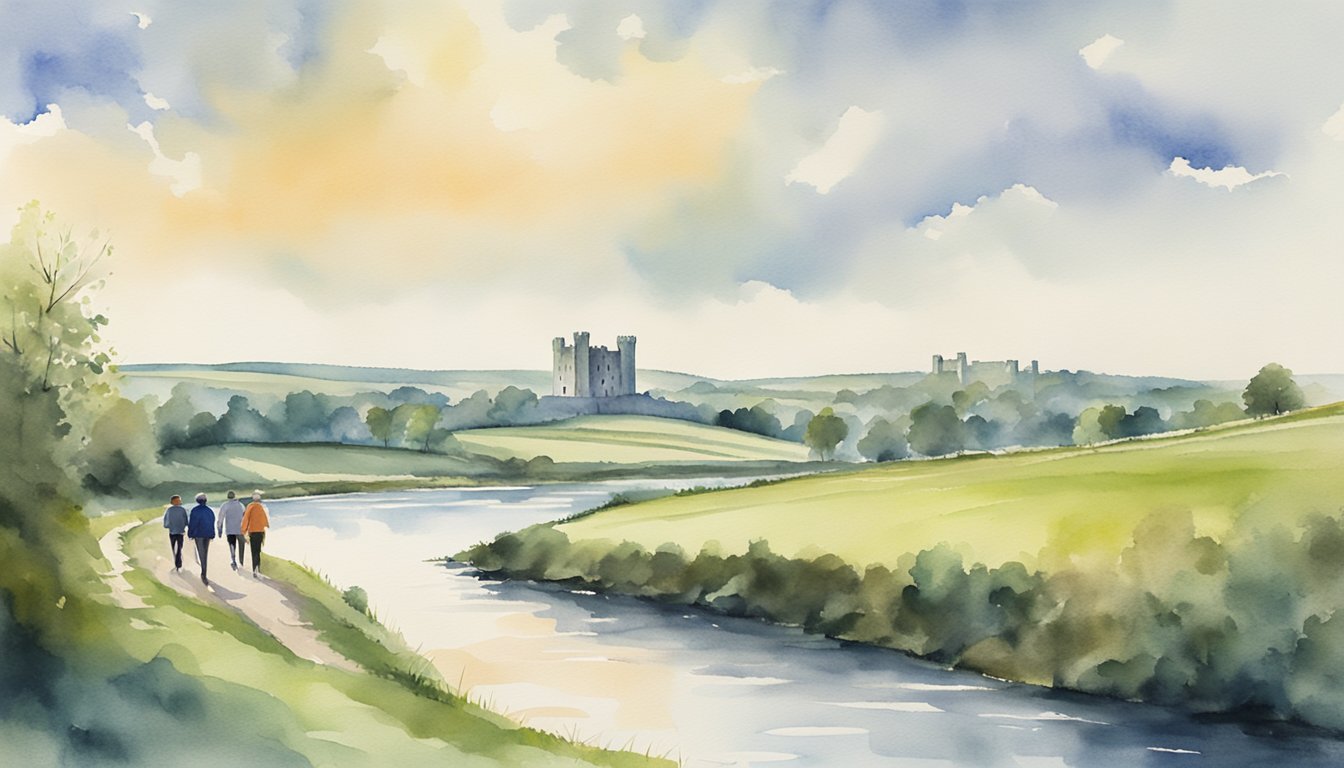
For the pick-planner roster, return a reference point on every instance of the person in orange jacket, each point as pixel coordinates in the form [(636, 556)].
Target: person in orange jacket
[(255, 522)]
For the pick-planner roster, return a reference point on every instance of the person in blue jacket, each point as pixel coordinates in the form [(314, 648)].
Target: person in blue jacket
[(175, 520), (201, 529)]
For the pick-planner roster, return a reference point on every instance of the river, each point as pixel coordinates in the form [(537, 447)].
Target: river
[(709, 690)]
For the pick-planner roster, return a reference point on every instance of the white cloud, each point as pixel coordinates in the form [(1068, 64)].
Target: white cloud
[(1334, 127), (185, 174), (853, 139), (631, 28), (753, 75), (934, 227), (1230, 177), (14, 135), (155, 102), (142, 20), (1098, 51)]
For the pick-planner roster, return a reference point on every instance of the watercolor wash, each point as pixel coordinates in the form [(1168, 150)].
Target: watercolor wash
[(988, 406)]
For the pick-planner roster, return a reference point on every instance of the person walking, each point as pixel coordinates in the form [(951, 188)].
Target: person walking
[(175, 520), (255, 522), (201, 529), (231, 525)]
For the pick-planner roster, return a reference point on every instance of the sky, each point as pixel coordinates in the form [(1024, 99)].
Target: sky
[(753, 189)]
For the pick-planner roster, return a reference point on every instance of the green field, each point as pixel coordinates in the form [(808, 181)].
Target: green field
[(999, 508), (312, 463), (628, 440)]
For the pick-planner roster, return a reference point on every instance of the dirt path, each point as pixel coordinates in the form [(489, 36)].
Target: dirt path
[(260, 600)]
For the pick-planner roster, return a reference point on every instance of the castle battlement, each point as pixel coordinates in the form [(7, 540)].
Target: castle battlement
[(992, 372), (583, 370)]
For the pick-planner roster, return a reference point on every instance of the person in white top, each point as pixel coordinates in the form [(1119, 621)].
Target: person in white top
[(231, 523)]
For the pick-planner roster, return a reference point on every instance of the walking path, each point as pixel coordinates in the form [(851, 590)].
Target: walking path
[(260, 600)]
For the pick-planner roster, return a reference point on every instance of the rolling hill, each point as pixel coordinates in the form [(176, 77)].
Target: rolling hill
[(628, 440), (1000, 508)]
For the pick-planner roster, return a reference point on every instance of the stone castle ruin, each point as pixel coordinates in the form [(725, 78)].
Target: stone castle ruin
[(992, 372), (587, 371)]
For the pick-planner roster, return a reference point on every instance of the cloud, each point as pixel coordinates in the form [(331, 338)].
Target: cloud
[(854, 137), (1096, 52), (1230, 177), (631, 28), (956, 176), (142, 20), (184, 174), (1334, 127)]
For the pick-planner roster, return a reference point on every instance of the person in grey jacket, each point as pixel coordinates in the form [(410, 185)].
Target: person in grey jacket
[(231, 524), (175, 520)]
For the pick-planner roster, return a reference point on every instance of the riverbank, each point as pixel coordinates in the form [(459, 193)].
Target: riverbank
[(335, 685), (1201, 570)]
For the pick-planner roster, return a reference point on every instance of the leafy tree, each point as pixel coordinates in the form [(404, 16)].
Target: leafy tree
[(983, 434), (935, 430), (1109, 419), (885, 441), (171, 418), (1144, 421), (201, 430), (121, 454), (511, 404), (379, 421), (1272, 391), (824, 432), (347, 427), (306, 417), (1203, 413), (241, 423), (755, 419), (420, 424)]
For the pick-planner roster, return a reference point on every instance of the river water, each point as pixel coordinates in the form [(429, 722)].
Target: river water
[(709, 690)]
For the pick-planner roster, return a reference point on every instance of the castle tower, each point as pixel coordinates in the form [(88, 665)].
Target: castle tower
[(1035, 368), (583, 385), (626, 346), (937, 364), (963, 368), (558, 384)]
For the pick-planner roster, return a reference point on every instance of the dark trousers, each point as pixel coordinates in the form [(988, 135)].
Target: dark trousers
[(256, 538), (236, 547), (175, 543), (202, 553)]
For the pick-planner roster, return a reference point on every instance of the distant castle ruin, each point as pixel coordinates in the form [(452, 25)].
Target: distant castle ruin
[(991, 372), (587, 371)]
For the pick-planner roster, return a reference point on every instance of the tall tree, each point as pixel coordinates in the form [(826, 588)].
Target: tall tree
[(935, 430), (1272, 391), (885, 441), (380, 424), (824, 432), (420, 425)]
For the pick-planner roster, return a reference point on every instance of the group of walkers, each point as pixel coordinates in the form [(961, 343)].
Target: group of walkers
[(240, 524)]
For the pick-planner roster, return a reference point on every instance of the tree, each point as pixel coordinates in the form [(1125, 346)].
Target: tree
[(885, 441), (1272, 391), (420, 424), (935, 430), (380, 424), (510, 406), (241, 423), (824, 432)]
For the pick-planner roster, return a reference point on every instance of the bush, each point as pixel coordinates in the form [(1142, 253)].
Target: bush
[(357, 598)]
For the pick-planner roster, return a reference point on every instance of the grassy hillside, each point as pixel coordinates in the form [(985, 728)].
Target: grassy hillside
[(628, 440), (1000, 508), (1204, 569), (313, 463)]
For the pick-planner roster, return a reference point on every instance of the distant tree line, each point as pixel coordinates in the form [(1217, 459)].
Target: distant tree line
[(936, 417)]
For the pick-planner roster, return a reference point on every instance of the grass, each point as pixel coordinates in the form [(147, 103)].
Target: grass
[(628, 440), (396, 712), (313, 463), (1079, 501)]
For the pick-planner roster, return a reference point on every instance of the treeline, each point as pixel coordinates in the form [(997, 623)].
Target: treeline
[(1246, 624), (937, 416)]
